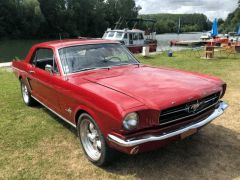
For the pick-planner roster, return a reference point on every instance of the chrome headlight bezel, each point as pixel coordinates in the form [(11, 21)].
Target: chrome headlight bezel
[(131, 121)]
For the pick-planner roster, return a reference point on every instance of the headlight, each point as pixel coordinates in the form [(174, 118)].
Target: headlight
[(223, 90), (130, 122)]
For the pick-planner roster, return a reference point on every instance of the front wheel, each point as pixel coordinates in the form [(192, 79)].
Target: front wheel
[(93, 142), (26, 95)]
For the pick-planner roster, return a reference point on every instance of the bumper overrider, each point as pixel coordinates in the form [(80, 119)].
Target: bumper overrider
[(167, 135)]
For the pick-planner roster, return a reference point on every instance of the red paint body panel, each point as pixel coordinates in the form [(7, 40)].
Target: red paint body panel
[(108, 95)]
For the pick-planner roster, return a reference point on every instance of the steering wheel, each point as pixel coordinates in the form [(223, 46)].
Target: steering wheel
[(113, 57)]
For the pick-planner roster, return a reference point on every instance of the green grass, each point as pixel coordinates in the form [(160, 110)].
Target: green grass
[(36, 144)]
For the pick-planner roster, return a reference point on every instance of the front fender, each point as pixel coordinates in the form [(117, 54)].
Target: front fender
[(105, 120)]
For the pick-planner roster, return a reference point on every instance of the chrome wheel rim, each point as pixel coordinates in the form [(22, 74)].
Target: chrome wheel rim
[(90, 139), (25, 93)]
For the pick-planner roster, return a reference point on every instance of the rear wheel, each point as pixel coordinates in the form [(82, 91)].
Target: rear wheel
[(26, 95), (93, 142)]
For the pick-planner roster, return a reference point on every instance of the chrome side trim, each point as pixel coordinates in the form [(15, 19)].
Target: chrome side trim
[(149, 138), (67, 121)]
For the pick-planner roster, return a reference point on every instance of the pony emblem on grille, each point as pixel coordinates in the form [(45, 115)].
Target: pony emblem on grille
[(193, 107)]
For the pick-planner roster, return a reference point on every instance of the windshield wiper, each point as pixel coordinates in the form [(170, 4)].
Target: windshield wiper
[(108, 67), (123, 64), (85, 69), (91, 68)]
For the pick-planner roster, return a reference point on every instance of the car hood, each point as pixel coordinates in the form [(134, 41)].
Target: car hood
[(156, 87)]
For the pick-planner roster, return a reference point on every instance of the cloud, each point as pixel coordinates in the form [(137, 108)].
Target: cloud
[(212, 8)]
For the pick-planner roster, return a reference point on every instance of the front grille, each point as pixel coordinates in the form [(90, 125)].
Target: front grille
[(188, 110)]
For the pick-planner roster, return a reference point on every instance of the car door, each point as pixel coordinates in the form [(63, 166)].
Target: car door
[(41, 81)]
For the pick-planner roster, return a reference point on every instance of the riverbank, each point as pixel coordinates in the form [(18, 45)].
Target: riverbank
[(5, 65)]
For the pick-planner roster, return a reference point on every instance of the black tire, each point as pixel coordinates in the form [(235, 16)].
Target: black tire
[(26, 95), (107, 153)]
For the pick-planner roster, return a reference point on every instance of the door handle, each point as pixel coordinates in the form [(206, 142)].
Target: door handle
[(31, 72)]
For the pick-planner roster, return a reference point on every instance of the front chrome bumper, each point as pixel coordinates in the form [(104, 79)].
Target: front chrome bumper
[(149, 138)]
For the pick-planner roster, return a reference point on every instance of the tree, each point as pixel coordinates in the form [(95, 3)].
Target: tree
[(232, 22), (56, 16), (116, 9), (168, 23), (70, 18)]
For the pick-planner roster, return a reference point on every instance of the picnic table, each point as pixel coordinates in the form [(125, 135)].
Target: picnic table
[(209, 51), (232, 49)]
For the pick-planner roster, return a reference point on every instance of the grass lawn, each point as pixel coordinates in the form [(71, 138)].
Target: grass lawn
[(36, 144)]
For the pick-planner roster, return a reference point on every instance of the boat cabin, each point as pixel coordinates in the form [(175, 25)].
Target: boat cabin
[(133, 39), (126, 37)]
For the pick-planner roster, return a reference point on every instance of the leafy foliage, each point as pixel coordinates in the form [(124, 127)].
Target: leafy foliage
[(70, 18), (232, 22), (168, 23)]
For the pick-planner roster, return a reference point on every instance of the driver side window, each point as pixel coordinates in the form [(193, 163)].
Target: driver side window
[(43, 57)]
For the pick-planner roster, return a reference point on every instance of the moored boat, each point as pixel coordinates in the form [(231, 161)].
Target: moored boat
[(134, 39)]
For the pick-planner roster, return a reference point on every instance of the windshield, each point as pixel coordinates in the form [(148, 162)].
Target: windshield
[(119, 35), (86, 57), (113, 35)]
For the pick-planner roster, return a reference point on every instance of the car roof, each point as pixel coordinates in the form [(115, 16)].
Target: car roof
[(73, 42)]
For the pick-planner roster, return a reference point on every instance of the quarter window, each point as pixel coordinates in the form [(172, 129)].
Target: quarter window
[(43, 57)]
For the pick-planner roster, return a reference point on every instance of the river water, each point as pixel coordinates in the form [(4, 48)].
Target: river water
[(164, 39), (9, 49)]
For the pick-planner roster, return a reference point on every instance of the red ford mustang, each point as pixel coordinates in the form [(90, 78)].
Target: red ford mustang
[(115, 102)]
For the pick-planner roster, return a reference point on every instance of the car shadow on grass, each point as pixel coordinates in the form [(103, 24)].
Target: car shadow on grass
[(213, 153), (59, 120)]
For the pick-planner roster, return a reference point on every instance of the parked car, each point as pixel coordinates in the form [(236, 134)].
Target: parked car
[(115, 102)]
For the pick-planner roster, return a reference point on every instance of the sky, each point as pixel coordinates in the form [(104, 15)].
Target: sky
[(211, 8)]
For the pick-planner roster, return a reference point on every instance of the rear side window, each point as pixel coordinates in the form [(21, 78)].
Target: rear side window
[(43, 57)]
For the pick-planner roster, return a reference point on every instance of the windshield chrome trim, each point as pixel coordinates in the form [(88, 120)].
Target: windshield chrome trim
[(66, 74), (100, 68)]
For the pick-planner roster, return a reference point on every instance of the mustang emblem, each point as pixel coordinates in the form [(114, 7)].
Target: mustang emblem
[(69, 110), (193, 107)]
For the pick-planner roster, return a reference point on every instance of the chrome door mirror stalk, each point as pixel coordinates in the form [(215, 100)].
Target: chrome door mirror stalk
[(49, 68)]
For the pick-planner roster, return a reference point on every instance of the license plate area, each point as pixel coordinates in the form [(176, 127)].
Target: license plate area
[(188, 133)]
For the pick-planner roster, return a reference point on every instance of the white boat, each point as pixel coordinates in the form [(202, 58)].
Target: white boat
[(134, 39), (206, 36)]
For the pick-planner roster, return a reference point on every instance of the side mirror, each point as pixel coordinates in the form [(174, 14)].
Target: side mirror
[(49, 68)]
